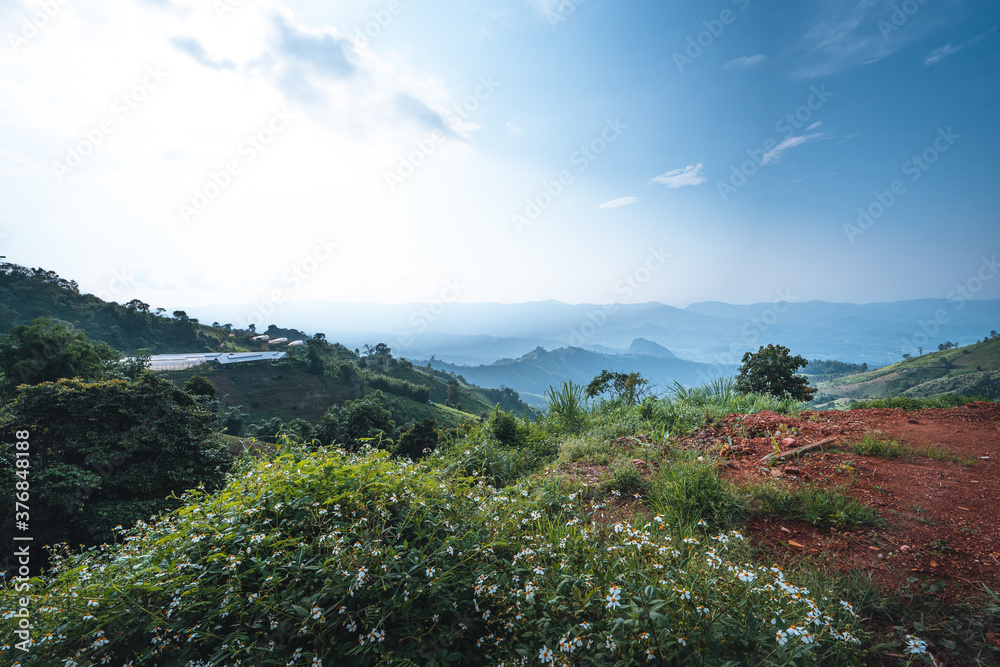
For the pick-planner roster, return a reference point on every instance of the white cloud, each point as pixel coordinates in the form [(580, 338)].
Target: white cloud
[(678, 178), (357, 115), (745, 62), (942, 52), (513, 129), (775, 153), (621, 201), (843, 35)]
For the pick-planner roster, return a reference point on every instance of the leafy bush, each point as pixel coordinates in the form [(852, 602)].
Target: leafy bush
[(507, 429), (418, 441), (481, 454), (584, 447), (332, 558), (626, 388), (105, 453), (46, 351), (355, 422), (199, 385)]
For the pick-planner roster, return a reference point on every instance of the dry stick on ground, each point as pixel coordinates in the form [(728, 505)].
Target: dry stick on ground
[(791, 453)]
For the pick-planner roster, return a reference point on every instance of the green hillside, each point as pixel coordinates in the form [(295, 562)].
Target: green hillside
[(973, 370), (287, 390), (27, 294), (309, 381)]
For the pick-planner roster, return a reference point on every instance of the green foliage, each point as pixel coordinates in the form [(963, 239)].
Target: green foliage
[(870, 445), (624, 387), (359, 560), (584, 447), (391, 385), (490, 461), (27, 294), (356, 421), (128, 368), (44, 351), (454, 392), (687, 491), (418, 441), (316, 347), (507, 429), (824, 508), (910, 403), (105, 453), (874, 445), (771, 370), (567, 408), (625, 478), (198, 385), (832, 367)]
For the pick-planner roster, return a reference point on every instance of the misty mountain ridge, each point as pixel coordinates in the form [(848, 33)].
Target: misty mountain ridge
[(708, 332), (532, 374)]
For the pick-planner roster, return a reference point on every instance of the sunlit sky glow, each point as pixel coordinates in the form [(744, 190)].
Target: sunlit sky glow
[(216, 151)]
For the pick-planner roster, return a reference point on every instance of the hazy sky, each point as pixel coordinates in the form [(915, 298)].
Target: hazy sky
[(196, 152)]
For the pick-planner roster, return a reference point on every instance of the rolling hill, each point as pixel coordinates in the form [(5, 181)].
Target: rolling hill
[(972, 370), (285, 391)]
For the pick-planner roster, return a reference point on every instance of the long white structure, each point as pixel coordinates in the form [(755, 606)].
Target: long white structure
[(180, 362)]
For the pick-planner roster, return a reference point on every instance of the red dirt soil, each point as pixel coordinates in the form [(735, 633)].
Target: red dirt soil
[(941, 516)]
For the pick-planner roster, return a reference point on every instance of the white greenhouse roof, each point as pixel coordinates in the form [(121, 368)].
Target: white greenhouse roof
[(179, 362)]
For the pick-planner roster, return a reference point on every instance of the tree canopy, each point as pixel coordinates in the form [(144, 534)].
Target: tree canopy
[(627, 387), (43, 351), (106, 453), (355, 421), (771, 370)]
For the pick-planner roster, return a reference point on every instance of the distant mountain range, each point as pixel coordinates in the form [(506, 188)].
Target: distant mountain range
[(529, 347), (532, 374), (708, 332)]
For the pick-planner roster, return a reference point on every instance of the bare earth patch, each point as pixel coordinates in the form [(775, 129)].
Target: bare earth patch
[(941, 516)]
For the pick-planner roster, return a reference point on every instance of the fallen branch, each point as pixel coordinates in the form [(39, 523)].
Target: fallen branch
[(792, 453)]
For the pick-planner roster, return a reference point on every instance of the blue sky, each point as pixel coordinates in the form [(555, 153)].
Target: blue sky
[(226, 151)]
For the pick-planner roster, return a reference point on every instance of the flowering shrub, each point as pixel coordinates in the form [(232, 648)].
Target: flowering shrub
[(357, 559)]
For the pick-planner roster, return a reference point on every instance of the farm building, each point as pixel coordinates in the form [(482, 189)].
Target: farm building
[(180, 362)]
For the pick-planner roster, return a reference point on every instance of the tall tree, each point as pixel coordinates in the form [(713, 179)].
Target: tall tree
[(771, 370), (43, 351)]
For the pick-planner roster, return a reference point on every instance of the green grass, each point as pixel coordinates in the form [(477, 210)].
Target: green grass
[(871, 445), (823, 508), (910, 403), (874, 445), (687, 491)]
